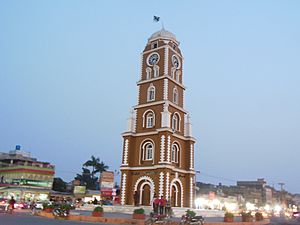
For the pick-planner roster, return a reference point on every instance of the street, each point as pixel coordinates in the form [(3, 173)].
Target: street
[(283, 221), (24, 218)]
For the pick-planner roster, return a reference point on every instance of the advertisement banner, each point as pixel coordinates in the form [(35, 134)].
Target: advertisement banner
[(79, 189)]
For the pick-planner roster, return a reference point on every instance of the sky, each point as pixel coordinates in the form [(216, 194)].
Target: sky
[(68, 73)]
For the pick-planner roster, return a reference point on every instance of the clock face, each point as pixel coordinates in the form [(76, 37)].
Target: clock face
[(153, 59), (175, 61)]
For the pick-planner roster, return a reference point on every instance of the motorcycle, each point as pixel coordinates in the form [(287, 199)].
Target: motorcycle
[(60, 212), (187, 219)]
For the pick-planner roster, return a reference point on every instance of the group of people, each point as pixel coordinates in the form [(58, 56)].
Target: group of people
[(161, 205)]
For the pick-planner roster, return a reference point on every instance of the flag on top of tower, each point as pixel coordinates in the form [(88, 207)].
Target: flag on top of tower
[(156, 18)]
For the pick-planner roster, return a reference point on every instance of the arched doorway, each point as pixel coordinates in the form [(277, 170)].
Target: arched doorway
[(145, 194), (145, 188), (176, 193)]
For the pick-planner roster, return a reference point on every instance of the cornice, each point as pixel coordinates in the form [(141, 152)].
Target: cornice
[(157, 131), (173, 168)]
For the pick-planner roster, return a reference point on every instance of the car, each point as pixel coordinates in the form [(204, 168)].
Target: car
[(296, 214), (3, 204)]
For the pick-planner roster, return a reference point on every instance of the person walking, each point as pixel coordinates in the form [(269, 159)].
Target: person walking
[(12, 202)]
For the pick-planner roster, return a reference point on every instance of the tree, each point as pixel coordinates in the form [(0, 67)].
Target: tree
[(96, 165), (59, 185), (87, 179)]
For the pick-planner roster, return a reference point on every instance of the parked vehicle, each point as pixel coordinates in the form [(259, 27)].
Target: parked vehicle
[(191, 218)]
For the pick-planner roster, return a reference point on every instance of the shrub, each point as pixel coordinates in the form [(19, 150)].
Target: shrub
[(190, 213), (98, 209), (228, 215), (259, 216), (246, 216), (66, 207), (139, 211), (47, 205)]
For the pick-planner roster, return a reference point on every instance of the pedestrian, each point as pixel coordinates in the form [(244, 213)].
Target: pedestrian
[(136, 197), (161, 205), (155, 204), (12, 202), (95, 201), (168, 209)]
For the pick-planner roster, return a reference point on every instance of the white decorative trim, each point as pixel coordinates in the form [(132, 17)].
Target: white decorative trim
[(181, 189), (139, 90), (168, 149), (191, 192), (135, 120), (191, 156), (141, 151), (150, 88), (165, 89), (159, 103), (126, 152), (177, 135), (149, 181), (141, 66), (162, 148), (161, 184), (166, 60), (173, 168), (159, 78), (145, 119), (123, 189), (167, 185)]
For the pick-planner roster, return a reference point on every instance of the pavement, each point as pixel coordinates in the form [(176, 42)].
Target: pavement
[(25, 218), (284, 221)]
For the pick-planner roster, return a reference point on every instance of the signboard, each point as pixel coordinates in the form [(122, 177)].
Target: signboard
[(106, 183), (106, 192), (107, 180), (79, 189), (35, 183)]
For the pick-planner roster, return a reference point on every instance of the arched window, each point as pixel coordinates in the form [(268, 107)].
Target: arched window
[(150, 120), (175, 153), (148, 151), (151, 93), (176, 122), (156, 71), (175, 95), (173, 70), (148, 73), (178, 73)]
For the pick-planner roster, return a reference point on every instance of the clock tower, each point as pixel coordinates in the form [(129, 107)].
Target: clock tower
[(158, 147)]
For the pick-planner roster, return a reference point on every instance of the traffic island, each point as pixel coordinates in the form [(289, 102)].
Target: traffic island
[(116, 220)]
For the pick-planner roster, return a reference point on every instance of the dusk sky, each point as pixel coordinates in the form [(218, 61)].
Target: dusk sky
[(68, 73)]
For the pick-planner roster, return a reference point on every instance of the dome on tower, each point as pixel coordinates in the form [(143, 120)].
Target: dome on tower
[(164, 34)]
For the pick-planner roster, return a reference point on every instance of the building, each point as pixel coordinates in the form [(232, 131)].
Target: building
[(158, 148), (23, 176)]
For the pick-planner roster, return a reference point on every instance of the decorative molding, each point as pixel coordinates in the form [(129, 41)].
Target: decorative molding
[(126, 152), (159, 78), (166, 61), (162, 148), (165, 89), (123, 194), (181, 189), (168, 148), (191, 156), (161, 184), (167, 185), (147, 180), (191, 192), (165, 166)]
